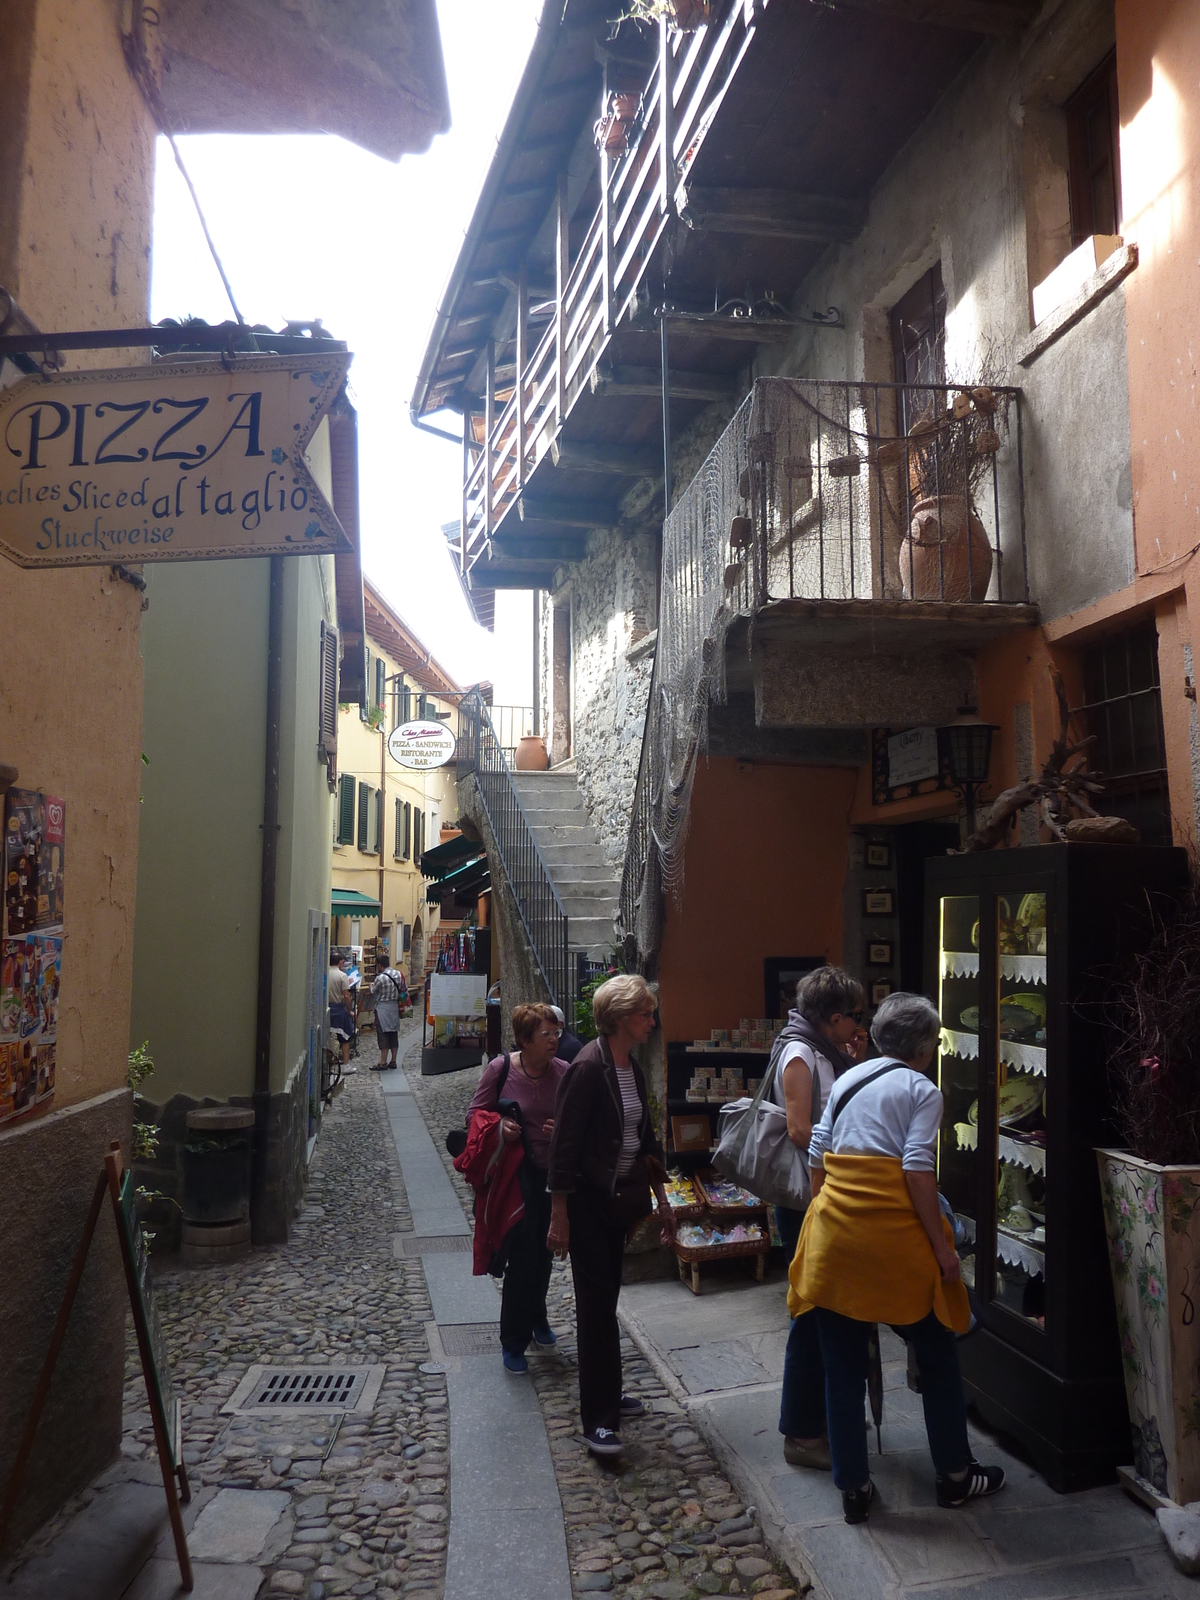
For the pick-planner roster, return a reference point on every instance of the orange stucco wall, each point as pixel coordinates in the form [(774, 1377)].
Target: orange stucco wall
[(763, 873)]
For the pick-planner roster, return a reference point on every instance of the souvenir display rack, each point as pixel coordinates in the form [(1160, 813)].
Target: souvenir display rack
[(682, 1064), (704, 1202), (1018, 946)]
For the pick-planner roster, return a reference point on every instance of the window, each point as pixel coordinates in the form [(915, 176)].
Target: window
[(327, 695), (401, 703), (418, 836), (1093, 154), (1124, 712), (398, 841), (407, 830), (345, 827), (380, 682), (423, 707), (364, 817), (406, 708), (364, 710), (377, 823), (407, 937)]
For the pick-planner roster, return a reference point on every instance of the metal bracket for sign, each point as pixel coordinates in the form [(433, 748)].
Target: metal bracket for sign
[(174, 1473), (226, 337)]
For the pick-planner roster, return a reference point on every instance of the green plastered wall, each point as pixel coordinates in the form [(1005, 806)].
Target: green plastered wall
[(195, 960)]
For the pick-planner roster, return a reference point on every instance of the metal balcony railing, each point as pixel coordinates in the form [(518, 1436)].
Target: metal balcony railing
[(860, 497), (541, 911), (596, 290)]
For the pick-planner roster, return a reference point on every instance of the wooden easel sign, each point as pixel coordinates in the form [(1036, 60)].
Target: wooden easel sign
[(164, 1406)]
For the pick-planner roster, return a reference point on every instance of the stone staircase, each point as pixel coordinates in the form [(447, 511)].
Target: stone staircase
[(587, 886)]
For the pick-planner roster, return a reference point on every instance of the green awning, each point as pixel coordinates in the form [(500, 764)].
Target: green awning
[(349, 903), (474, 876), (444, 859)]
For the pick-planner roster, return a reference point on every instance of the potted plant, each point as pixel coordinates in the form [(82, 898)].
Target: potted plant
[(684, 16), (945, 553), (1151, 1198)]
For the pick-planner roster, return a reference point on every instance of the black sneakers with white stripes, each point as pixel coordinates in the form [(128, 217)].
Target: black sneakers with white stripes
[(979, 1482)]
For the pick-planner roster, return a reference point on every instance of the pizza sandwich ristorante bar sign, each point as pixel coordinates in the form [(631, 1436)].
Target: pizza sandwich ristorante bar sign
[(181, 461), (421, 745)]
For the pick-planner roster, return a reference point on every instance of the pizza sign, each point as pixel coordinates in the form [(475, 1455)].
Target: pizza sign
[(421, 746)]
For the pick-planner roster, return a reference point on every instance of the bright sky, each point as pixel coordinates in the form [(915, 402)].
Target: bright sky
[(311, 226)]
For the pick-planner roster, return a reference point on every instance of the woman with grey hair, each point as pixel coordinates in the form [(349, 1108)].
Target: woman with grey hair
[(810, 1052), (876, 1248)]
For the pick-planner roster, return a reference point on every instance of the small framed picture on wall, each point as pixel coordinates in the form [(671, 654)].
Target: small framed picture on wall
[(879, 952), (878, 854), (691, 1134), (878, 903), (880, 989)]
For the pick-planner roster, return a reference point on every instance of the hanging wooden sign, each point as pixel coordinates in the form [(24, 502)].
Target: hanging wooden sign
[(180, 461), (156, 1369)]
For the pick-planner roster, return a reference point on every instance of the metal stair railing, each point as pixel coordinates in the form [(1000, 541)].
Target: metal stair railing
[(538, 905)]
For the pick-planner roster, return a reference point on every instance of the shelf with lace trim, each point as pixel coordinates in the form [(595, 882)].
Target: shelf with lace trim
[(1021, 1057), (1015, 1151), (1017, 1252), (1016, 969)]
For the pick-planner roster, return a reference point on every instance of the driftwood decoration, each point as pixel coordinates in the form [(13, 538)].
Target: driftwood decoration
[(1060, 792)]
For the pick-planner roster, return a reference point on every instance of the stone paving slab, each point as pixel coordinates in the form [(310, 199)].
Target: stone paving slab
[(114, 1535), (159, 1580), (1028, 1543), (457, 1295)]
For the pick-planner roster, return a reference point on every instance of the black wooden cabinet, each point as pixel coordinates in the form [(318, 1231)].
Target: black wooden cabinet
[(1019, 944)]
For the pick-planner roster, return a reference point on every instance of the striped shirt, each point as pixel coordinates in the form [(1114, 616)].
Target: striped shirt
[(632, 1104)]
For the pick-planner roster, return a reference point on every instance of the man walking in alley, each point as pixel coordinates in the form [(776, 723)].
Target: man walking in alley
[(389, 992)]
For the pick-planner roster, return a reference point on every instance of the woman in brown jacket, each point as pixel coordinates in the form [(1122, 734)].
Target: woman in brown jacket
[(604, 1159)]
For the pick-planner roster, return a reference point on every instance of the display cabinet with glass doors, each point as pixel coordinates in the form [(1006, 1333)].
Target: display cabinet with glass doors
[(1020, 947)]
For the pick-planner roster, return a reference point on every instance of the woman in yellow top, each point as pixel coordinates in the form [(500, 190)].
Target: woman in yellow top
[(876, 1248)]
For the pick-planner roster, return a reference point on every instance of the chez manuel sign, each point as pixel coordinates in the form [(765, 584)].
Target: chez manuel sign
[(180, 461)]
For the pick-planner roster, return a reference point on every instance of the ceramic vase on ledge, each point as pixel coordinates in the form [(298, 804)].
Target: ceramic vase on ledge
[(934, 559), (531, 754), (1152, 1218)]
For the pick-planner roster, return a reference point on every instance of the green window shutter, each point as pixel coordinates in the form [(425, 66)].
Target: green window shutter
[(346, 812), (377, 823), (363, 709), (364, 804), (406, 709), (380, 681), (399, 837), (407, 830)]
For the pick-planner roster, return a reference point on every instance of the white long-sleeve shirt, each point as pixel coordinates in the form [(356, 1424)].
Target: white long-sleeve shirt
[(898, 1115)]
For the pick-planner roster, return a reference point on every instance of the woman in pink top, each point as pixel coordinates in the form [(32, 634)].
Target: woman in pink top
[(528, 1077)]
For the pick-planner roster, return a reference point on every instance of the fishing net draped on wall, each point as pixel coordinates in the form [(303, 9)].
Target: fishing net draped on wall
[(815, 491)]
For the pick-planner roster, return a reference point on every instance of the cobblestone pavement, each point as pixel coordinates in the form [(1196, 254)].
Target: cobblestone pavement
[(665, 1524), (370, 1500)]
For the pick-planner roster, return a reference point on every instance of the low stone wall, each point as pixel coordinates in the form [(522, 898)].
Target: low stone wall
[(50, 1168), (286, 1166)]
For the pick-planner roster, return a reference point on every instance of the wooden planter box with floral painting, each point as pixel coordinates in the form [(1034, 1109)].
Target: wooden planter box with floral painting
[(1151, 1199), (1152, 1218)]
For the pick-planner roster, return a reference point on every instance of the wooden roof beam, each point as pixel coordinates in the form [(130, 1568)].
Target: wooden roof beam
[(741, 330), (533, 578), (773, 213), (555, 515), (508, 547), (969, 16), (628, 383), (622, 460)]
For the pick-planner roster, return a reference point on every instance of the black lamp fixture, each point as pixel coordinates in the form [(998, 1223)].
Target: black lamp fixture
[(966, 747)]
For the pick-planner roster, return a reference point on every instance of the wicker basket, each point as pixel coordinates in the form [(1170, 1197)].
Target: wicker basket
[(691, 1256)]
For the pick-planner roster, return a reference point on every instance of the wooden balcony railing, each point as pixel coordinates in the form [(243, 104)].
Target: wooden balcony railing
[(596, 290)]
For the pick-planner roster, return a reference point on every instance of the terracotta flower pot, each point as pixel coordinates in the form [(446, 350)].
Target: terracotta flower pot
[(531, 754), (934, 563), (1152, 1218)]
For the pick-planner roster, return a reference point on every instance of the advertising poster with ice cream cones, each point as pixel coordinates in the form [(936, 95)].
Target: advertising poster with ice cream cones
[(31, 947)]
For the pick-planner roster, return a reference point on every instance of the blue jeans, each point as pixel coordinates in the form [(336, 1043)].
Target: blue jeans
[(802, 1403), (789, 1223), (844, 1349)]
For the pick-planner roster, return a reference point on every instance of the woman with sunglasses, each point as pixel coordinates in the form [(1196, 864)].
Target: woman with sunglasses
[(822, 1038)]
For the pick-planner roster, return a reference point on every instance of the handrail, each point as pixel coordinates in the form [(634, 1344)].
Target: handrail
[(538, 904)]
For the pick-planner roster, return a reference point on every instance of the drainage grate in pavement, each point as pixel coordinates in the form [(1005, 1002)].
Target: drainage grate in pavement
[(271, 1391), (470, 1338), (408, 1245)]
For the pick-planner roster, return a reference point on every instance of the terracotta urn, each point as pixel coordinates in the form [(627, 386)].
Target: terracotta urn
[(531, 754), (934, 560)]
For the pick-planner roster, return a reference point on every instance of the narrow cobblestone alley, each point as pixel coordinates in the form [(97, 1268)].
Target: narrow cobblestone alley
[(360, 1504)]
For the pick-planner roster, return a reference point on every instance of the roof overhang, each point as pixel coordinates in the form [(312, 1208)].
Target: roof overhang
[(349, 903)]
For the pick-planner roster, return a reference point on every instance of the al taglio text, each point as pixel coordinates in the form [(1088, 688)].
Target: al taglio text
[(195, 497)]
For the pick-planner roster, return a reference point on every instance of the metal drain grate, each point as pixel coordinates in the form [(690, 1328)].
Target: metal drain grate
[(470, 1338), (272, 1391), (408, 1245)]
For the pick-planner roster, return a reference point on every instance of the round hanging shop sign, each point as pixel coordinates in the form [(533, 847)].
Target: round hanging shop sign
[(421, 745)]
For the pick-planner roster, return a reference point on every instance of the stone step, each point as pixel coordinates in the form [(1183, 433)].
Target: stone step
[(544, 783), (558, 818), (557, 836), (589, 905), (587, 882), (593, 934)]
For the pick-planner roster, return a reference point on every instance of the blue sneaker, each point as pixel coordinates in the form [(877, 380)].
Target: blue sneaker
[(544, 1335), (515, 1363)]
